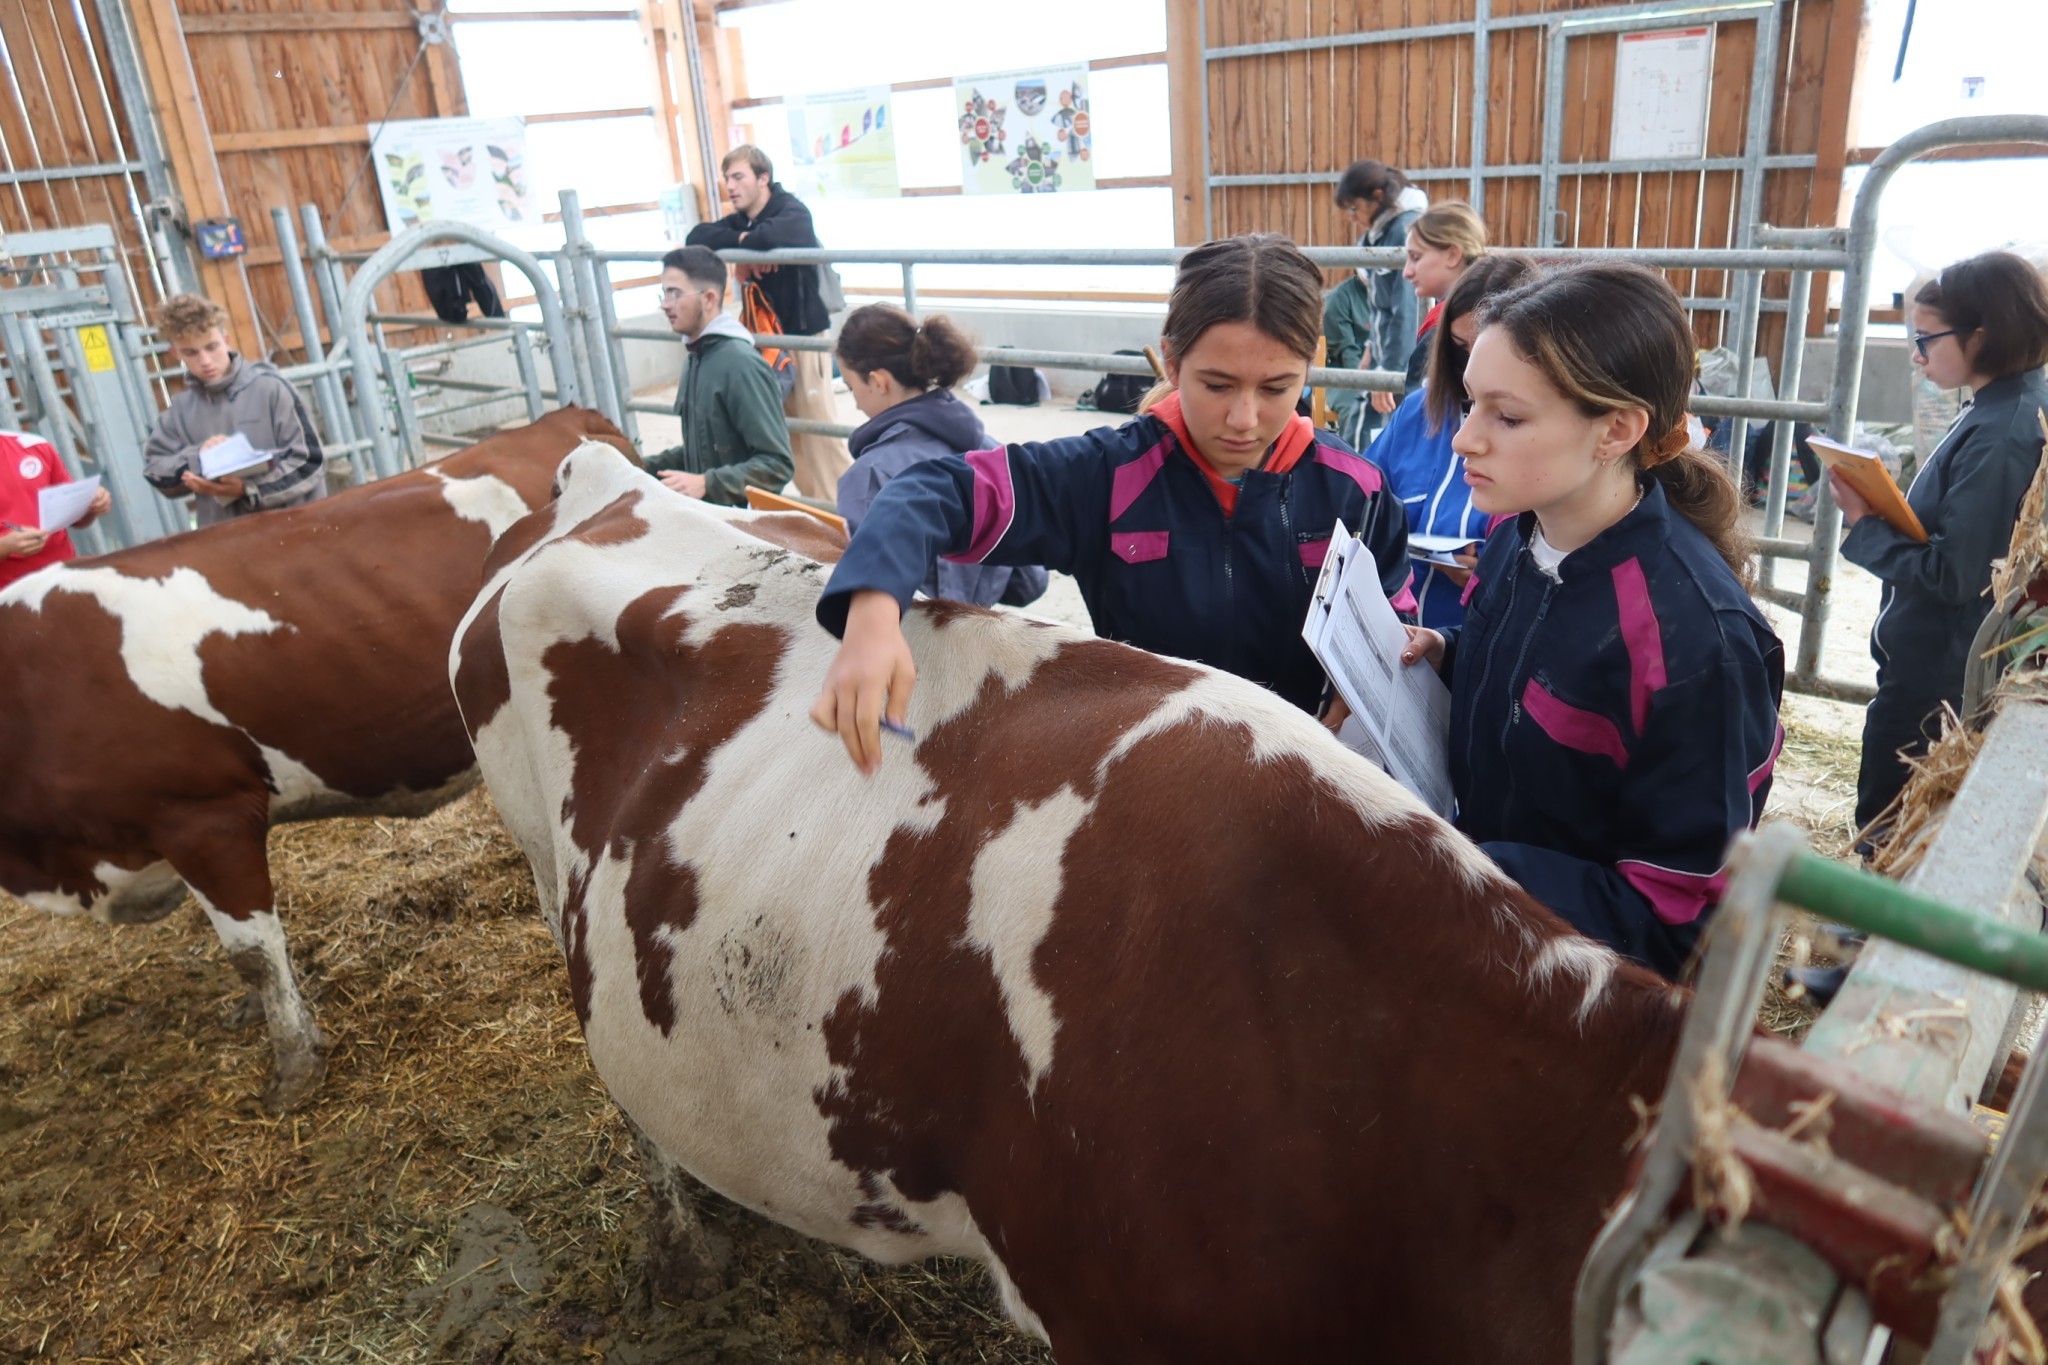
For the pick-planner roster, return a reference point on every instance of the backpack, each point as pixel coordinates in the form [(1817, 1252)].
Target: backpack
[(1122, 392), (1016, 384), (757, 315)]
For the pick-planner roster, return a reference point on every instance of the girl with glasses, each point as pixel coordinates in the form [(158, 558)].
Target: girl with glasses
[(1614, 691), (1981, 325)]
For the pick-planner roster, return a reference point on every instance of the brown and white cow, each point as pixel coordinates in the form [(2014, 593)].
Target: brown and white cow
[(162, 707), (1124, 978)]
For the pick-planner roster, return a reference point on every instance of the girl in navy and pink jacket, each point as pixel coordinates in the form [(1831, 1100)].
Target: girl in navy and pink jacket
[(1614, 690), (1197, 530)]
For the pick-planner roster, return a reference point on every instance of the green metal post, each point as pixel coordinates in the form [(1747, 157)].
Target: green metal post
[(1877, 906)]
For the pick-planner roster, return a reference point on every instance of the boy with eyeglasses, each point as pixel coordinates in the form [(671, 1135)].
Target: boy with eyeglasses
[(734, 432)]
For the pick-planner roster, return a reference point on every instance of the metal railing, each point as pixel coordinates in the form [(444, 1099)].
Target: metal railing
[(584, 341)]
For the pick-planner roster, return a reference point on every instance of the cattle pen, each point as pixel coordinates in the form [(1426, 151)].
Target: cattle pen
[(459, 1184)]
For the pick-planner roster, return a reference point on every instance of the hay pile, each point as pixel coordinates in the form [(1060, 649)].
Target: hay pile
[(461, 1188)]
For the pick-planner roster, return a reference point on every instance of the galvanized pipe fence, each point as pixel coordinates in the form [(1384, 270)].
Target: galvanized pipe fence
[(375, 397)]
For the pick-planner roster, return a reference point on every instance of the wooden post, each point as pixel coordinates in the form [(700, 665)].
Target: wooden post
[(1848, 34), (188, 142), (1184, 77)]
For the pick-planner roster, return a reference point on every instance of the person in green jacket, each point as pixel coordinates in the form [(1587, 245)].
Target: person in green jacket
[(734, 432)]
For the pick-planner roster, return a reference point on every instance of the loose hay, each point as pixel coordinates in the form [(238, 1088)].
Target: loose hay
[(149, 1209)]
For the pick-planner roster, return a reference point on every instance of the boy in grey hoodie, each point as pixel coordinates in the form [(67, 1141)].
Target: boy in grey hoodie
[(225, 394)]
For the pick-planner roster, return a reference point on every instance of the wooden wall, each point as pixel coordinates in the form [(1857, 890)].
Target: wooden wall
[(61, 109), (1409, 103), (273, 105)]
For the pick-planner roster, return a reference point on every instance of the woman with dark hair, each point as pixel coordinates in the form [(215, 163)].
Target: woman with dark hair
[(1415, 449), (1197, 530), (1614, 691), (1982, 324), (1369, 320), (901, 374)]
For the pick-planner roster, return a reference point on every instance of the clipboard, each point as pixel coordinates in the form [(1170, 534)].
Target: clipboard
[(761, 500), (1864, 471)]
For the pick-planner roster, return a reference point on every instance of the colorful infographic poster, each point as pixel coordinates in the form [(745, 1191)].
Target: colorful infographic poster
[(468, 170), (1026, 132), (843, 146)]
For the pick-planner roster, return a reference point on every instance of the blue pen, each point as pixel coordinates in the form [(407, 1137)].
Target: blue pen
[(903, 732)]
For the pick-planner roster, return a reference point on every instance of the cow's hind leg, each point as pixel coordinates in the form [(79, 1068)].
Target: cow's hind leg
[(684, 1261), (298, 1049), (223, 860)]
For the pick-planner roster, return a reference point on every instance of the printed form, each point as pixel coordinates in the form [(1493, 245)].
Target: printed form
[(1400, 714)]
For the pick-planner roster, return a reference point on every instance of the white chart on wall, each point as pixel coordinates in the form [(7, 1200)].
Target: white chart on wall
[(1660, 93)]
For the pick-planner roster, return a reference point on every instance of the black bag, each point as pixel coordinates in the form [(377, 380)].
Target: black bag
[(1122, 392), (1016, 384)]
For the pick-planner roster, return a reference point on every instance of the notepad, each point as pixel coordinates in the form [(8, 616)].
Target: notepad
[(60, 507), (1864, 471), (231, 456), (1440, 549)]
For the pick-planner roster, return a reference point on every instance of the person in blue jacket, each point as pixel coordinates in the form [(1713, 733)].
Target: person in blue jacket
[(901, 374), (1614, 690), (1415, 449), (1982, 324), (1196, 530)]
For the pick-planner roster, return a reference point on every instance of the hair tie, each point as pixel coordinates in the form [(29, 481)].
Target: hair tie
[(1673, 445)]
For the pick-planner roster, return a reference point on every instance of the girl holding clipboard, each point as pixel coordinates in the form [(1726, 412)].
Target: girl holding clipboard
[(1982, 324)]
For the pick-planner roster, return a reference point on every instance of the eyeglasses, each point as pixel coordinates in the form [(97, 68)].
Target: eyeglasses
[(671, 294), (1920, 339)]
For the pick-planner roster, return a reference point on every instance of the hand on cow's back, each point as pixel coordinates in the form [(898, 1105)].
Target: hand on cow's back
[(871, 674)]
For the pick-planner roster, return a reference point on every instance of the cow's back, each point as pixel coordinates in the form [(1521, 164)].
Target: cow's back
[(316, 633), (1124, 978)]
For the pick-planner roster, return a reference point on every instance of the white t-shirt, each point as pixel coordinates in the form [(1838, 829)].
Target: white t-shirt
[(1547, 556)]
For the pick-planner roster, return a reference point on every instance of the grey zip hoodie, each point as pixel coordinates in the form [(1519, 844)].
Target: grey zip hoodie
[(254, 399)]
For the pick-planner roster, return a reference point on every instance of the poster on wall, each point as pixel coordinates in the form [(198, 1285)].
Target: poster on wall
[(468, 170), (843, 145), (1025, 132), (1660, 93)]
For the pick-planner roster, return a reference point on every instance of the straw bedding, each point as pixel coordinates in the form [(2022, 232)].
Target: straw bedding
[(461, 1189)]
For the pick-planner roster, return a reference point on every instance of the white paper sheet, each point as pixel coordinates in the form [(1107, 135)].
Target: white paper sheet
[(231, 456), (1404, 710), (59, 508)]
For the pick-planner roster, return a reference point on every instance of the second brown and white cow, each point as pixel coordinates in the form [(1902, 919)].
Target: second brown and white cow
[(162, 707), (1124, 978)]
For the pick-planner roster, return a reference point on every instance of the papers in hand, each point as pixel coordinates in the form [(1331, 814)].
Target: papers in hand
[(1864, 471), (1442, 550), (231, 456), (61, 507), (1400, 714)]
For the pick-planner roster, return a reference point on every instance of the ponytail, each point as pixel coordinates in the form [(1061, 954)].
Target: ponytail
[(1698, 486), (881, 336)]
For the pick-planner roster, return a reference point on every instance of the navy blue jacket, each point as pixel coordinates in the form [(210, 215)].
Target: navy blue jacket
[(1429, 479), (1967, 497), (1610, 734), (1132, 517)]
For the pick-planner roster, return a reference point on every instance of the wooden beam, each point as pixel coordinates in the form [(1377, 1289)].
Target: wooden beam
[(1848, 33), (1990, 151), (1115, 182), (668, 113), (293, 21), (607, 211), (278, 139), (1184, 77), (547, 16), (188, 144), (946, 82), (578, 115)]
